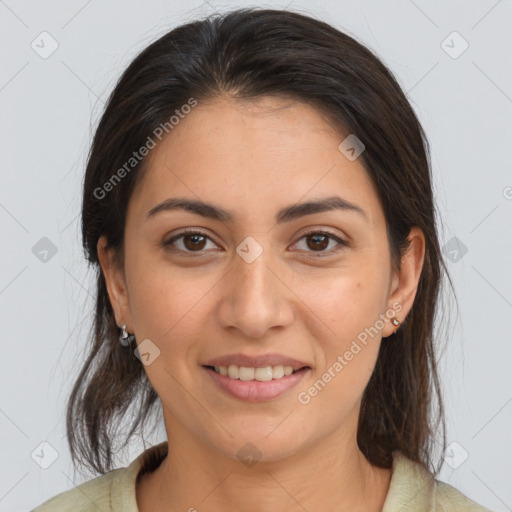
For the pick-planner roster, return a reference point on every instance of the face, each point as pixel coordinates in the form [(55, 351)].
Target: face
[(314, 285)]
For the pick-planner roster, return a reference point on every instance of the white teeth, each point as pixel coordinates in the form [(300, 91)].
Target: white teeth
[(245, 373), (278, 371), (260, 374), (264, 374), (288, 370), (233, 371)]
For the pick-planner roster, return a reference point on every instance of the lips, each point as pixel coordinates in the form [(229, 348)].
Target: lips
[(254, 390), (256, 361)]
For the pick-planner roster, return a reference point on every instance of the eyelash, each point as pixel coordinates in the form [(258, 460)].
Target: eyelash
[(317, 254)]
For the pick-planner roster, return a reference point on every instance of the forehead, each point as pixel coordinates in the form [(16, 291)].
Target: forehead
[(253, 157)]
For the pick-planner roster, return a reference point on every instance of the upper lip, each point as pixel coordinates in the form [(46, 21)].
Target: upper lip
[(257, 361)]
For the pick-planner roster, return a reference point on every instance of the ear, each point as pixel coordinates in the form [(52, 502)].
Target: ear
[(405, 282), (116, 284)]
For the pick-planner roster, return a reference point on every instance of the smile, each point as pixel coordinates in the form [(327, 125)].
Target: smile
[(263, 374), (255, 384)]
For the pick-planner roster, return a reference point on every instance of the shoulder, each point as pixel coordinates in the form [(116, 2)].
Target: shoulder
[(112, 492), (450, 499), (414, 489), (92, 495)]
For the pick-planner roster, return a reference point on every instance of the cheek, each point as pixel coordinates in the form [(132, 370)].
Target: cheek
[(347, 347), (168, 309), (153, 289), (345, 304), (167, 304), (343, 316)]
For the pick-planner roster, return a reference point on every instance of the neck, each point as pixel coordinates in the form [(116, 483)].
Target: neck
[(330, 475)]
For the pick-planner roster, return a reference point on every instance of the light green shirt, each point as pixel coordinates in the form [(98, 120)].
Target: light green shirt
[(412, 489)]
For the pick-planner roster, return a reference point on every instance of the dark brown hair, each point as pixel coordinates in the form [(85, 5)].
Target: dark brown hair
[(248, 54)]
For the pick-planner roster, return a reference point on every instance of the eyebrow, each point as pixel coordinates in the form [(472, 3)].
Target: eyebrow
[(286, 214)]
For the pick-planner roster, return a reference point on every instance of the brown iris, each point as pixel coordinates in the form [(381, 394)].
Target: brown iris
[(195, 241), (321, 241)]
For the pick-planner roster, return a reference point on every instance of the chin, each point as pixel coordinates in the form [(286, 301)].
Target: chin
[(251, 446)]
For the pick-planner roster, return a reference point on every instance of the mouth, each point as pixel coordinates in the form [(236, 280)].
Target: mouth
[(262, 374), (255, 384)]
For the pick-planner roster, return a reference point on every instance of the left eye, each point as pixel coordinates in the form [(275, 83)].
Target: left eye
[(195, 241), (320, 241)]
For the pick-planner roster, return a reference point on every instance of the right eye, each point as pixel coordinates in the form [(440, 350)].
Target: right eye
[(191, 241)]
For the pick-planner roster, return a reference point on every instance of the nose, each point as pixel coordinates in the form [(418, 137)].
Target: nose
[(255, 297)]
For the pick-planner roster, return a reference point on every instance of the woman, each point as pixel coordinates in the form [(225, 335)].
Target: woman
[(258, 208)]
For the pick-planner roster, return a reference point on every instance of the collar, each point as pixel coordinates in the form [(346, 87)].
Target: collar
[(412, 487)]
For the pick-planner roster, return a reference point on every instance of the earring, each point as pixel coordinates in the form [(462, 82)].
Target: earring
[(125, 339), (395, 322)]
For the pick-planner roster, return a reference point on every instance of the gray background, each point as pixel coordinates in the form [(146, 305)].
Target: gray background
[(49, 107)]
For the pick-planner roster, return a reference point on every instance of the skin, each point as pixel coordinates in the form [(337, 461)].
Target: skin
[(254, 158)]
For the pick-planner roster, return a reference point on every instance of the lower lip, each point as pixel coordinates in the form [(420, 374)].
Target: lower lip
[(254, 390)]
